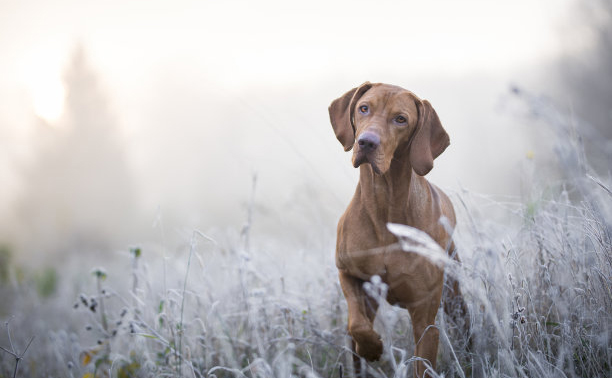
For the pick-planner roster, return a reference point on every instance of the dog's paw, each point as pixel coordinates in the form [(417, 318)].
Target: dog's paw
[(370, 352), (368, 344)]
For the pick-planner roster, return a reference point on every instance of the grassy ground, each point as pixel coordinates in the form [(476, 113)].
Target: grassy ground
[(536, 274)]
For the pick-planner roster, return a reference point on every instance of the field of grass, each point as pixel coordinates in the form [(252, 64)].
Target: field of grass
[(536, 274)]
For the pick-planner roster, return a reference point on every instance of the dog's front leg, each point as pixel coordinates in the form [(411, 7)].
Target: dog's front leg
[(361, 313)]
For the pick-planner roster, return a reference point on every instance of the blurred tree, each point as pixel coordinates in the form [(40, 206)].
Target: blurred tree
[(587, 78), (78, 191)]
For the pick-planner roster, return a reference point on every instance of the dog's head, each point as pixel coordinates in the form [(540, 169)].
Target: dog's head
[(382, 122)]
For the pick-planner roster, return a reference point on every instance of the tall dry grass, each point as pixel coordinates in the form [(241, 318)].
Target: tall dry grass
[(536, 274)]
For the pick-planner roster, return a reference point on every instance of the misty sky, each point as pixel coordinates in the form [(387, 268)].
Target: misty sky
[(204, 94)]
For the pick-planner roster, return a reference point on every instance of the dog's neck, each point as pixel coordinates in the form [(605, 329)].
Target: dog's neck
[(385, 196)]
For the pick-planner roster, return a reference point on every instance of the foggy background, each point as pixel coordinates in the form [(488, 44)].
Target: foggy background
[(132, 122)]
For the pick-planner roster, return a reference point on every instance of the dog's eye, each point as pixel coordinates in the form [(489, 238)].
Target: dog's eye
[(400, 119), (363, 109)]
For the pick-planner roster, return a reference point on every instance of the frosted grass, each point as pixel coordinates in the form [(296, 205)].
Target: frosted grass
[(536, 274)]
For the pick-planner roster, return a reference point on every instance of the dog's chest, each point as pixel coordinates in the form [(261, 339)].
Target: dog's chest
[(362, 264), (363, 253)]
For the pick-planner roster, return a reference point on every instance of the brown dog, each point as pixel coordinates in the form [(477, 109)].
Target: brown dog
[(395, 137)]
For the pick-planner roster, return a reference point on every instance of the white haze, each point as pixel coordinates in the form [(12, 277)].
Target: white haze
[(195, 99)]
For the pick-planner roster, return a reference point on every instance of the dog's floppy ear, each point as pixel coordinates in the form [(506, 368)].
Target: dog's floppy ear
[(429, 141), (341, 113)]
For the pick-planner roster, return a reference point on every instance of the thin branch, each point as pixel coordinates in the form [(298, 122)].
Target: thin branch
[(27, 346), (8, 331), (18, 356), (8, 351)]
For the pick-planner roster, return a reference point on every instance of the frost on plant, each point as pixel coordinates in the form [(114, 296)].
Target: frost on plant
[(536, 278)]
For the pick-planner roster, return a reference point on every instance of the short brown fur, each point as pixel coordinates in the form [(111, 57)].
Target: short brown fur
[(393, 156)]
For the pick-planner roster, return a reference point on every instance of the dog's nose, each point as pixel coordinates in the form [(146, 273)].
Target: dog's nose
[(368, 141)]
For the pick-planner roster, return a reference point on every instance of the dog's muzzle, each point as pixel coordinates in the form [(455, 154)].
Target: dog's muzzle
[(368, 143)]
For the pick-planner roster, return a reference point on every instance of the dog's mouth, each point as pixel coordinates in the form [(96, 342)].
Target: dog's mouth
[(362, 157)]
